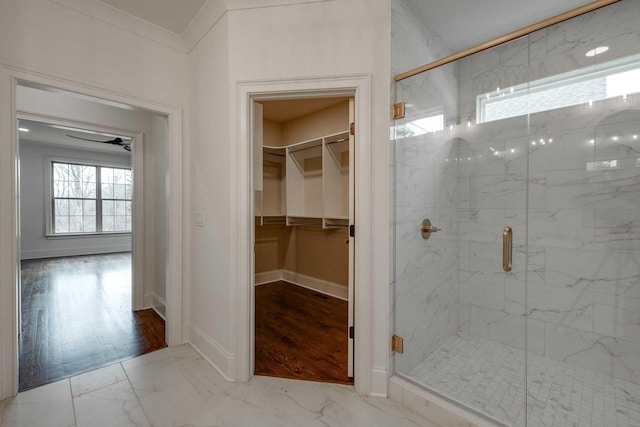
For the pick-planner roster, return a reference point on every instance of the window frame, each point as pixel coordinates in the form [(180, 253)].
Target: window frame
[(50, 199)]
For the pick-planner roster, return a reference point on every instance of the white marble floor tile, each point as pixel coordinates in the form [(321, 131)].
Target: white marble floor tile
[(94, 380), (113, 405), (46, 406)]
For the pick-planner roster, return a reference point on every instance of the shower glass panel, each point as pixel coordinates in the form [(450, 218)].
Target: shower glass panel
[(583, 283), (541, 135), (463, 338)]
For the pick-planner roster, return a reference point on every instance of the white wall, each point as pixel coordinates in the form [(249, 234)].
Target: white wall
[(52, 42), (34, 177), (309, 40)]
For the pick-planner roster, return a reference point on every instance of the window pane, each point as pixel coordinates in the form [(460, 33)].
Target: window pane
[(118, 191), (75, 173), (107, 191), (89, 223), (128, 219), (61, 208), (128, 177), (75, 207), (106, 175), (89, 190), (89, 174), (60, 180), (89, 207), (118, 176), (75, 189), (75, 224), (62, 224), (107, 207), (120, 208), (107, 222), (121, 223), (128, 208)]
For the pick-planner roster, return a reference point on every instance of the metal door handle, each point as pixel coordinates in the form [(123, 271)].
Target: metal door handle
[(427, 229), (507, 248)]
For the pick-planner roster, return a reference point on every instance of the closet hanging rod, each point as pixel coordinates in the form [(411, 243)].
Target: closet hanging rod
[(339, 140), (590, 7)]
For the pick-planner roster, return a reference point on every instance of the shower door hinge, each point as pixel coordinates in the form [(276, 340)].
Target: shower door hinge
[(396, 344), (352, 129), (398, 111)]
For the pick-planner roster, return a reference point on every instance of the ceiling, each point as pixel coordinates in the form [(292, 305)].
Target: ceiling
[(465, 23), (46, 133), (172, 15), (291, 109)]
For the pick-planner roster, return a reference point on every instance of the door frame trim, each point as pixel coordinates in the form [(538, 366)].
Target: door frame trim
[(10, 77), (242, 217)]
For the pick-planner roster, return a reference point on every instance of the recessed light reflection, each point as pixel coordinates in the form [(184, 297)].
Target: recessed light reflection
[(615, 138), (23, 129), (635, 136), (513, 150), (593, 141), (597, 51)]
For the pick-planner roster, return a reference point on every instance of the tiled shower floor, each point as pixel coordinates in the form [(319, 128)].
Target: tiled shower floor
[(489, 377)]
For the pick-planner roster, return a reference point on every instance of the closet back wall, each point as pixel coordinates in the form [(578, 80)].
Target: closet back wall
[(310, 251)]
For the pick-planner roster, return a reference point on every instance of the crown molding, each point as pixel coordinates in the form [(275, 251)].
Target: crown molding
[(213, 11), (125, 21)]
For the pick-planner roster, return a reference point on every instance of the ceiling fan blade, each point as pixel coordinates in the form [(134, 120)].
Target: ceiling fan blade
[(85, 139)]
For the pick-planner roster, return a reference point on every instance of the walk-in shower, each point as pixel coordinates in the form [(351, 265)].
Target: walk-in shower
[(525, 305)]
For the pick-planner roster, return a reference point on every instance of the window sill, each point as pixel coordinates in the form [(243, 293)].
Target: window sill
[(86, 235)]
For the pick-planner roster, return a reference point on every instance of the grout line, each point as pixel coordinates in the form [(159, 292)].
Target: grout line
[(73, 405)]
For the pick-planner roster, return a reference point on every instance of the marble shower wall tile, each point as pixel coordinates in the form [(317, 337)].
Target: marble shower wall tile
[(617, 317)]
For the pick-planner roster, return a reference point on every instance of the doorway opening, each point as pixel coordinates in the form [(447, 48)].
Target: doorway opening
[(304, 206), (92, 195)]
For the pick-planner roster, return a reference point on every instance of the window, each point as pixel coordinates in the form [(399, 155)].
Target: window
[(606, 80), (90, 199)]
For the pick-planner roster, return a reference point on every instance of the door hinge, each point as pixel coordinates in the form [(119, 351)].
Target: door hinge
[(396, 344), (352, 230), (398, 110), (352, 129), (351, 332)]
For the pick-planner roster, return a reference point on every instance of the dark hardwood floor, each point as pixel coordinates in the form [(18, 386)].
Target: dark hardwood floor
[(300, 334), (77, 316)]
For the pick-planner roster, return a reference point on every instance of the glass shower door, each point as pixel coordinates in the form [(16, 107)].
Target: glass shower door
[(460, 292)]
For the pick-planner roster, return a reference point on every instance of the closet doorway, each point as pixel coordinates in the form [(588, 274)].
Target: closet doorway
[(303, 152)]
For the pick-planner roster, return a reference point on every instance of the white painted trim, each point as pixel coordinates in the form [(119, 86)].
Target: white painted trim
[(269, 277), (124, 21), (434, 408), (63, 252), (10, 75), (242, 211), (213, 11), (220, 359), (156, 302), (318, 285), (379, 382)]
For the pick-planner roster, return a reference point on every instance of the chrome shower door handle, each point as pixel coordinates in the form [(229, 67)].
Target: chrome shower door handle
[(507, 248)]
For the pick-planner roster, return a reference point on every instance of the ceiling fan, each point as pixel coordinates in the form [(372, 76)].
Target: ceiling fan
[(126, 144)]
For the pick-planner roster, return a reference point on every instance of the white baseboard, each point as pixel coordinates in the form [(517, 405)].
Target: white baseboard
[(62, 252), (157, 303), (434, 408), (268, 277), (219, 358), (379, 382), (318, 285)]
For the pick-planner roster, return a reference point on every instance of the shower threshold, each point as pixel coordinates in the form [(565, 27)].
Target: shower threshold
[(488, 378)]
